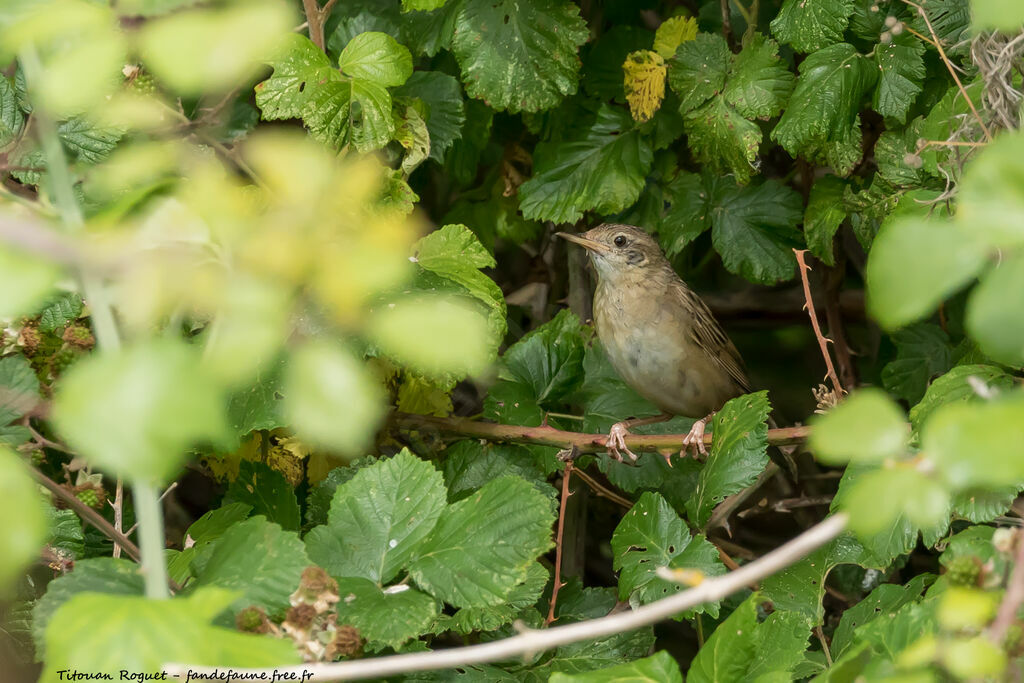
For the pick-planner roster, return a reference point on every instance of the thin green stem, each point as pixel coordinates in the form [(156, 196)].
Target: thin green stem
[(151, 539), (147, 504)]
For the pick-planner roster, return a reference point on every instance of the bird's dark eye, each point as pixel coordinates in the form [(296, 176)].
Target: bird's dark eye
[(620, 240)]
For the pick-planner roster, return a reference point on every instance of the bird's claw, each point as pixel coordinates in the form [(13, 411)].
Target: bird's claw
[(695, 439), (616, 442)]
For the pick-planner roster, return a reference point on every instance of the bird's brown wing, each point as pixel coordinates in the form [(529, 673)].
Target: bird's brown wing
[(709, 335)]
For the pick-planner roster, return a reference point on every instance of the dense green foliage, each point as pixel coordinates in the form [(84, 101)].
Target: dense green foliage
[(232, 257)]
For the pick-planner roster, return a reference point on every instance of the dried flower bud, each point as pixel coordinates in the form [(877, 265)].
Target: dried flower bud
[(252, 619)]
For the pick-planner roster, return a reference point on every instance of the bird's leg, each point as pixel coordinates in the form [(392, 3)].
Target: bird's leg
[(616, 441), (696, 437)]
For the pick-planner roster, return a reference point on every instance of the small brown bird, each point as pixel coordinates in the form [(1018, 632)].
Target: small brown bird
[(658, 334)]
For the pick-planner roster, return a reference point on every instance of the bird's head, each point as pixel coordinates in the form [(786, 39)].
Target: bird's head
[(620, 251)]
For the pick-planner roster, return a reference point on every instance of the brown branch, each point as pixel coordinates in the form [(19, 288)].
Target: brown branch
[(727, 24), (564, 502), (787, 505), (316, 16), (88, 514), (950, 67), (822, 342), (844, 358), (603, 491), (540, 640), (1013, 599), (118, 506), (549, 436)]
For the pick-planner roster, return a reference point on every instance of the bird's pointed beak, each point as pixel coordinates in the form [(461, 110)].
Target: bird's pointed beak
[(588, 244)]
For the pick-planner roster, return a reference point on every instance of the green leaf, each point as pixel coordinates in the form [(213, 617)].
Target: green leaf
[(652, 535), (739, 453), (491, 538), (139, 634), (723, 140), (991, 198), (60, 312), (888, 506), (470, 464), (336, 110), (600, 168), (93, 575), (19, 388), (266, 492), (998, 15), (951, 21), (19, 500), (991, 309), (391, 616), (923, 351), (737, 650), (698, 69), (491, 617), (901, 63), (456, 254), (658, 668), (822, 121), (259, 562), (65, 532), (899, 161), (11, 117), (809, 25), (323, 381), (376, 57), (955, 387), (602, 75), (257, 406), (825, 212), (379, 519), (915, 264), (881, 603), (519, 55), (422, 5), (135, 413), (446, 112), (866, 427), (977, 444), (759, 83), (318, 503)]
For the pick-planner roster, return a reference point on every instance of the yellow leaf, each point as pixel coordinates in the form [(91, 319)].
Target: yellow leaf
[(645, 83), (672, 32)]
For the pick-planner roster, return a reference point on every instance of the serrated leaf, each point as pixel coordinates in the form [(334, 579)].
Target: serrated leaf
[(469, 619), (601, 75), (822, 121), (139, 634), (739, 453), (658, 668), (267, 493), (923, 350), (698, 69), (63, 310), (97, 408), (956, 387), (601, 168), (390, 616), (493, 536), (809, 25), (422, 5), (258, 406), (519, 55), (915, 264), (19, 500), (825, 212), (723, 140), (86, 141), (469, 465), (901, 62), (644, 83), (379, 519), (951, 21), (652, 535), (92, 575), (759, 83), (19, 388), (11, 117), (881, 603), (1001, 15), (66, 532), (866, 427), (376, 57), (673, 32), (990, 320), (259, 562), (898, 158), (541, 368), (446, 112)]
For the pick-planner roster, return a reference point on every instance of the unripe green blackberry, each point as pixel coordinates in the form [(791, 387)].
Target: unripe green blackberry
[(62, 359), (1013, 643), (79, 336), (964, 571), (252, 620), (89, 497), (143, 84)]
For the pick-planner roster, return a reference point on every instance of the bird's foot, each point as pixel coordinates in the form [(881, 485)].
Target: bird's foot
[(695, 438), (616, 442)]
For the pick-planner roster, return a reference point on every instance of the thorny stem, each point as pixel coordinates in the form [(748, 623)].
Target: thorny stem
[(1013, 599), (822, 342), (566, 477)]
